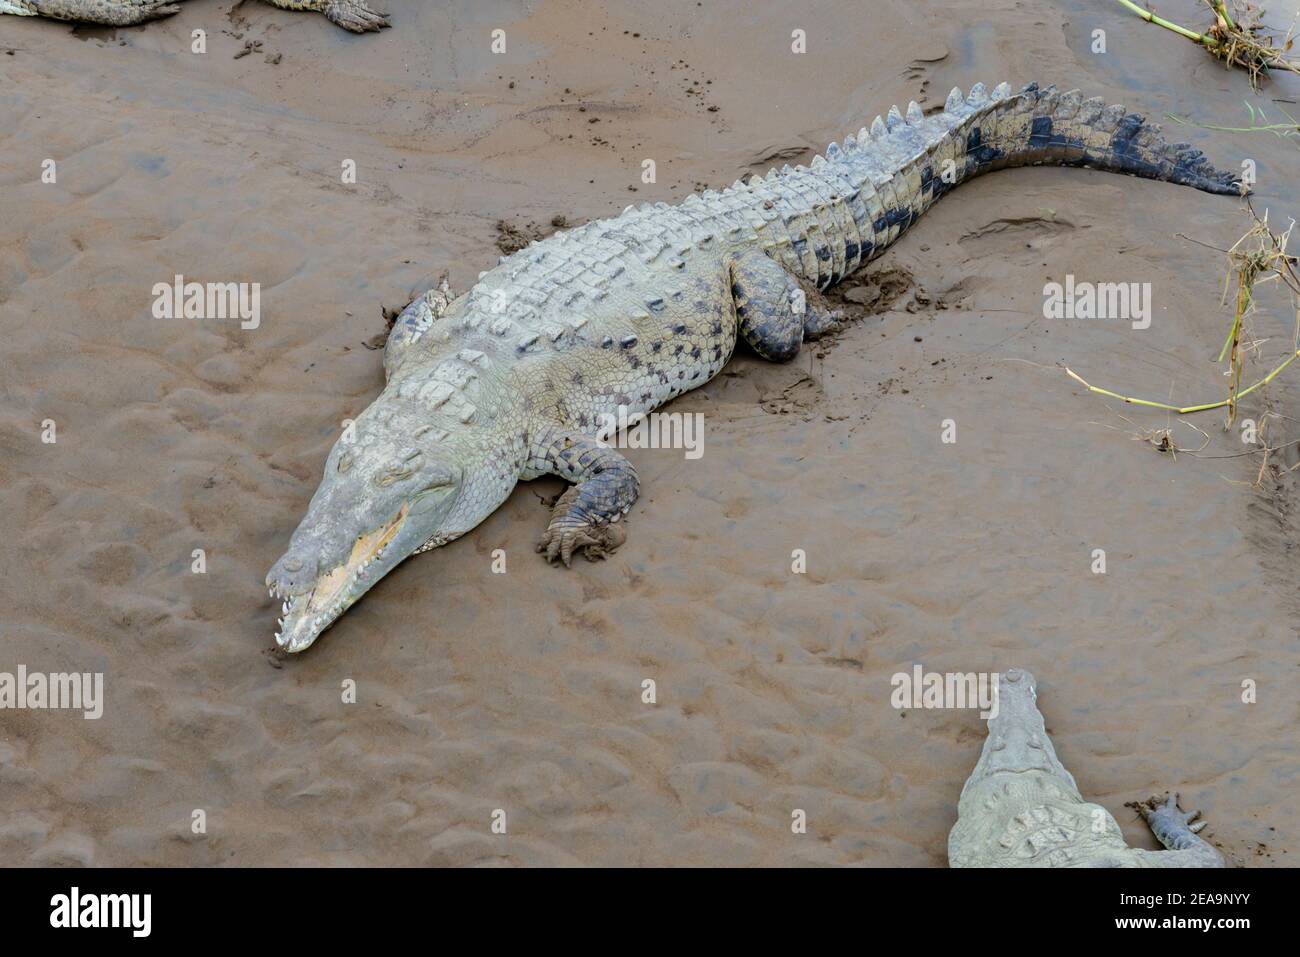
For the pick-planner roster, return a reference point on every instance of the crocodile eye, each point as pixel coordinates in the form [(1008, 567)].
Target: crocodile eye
[(408, 461), (440, 477), (345, 461)]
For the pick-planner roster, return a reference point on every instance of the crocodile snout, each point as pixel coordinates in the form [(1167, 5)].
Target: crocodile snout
[(292, 574)]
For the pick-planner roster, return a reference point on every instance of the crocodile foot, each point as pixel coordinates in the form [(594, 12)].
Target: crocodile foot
[(820, 321), (355, 15), (1167, 820), (594, 538)]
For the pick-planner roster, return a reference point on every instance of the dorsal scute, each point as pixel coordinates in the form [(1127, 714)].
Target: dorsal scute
[(1047, 101), (1068, 105), (1090, 109)]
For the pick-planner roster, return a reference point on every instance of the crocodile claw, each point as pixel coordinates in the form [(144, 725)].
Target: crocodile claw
[(595, 541)]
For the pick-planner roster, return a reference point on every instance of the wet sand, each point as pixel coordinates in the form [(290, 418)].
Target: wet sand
[(478, 691)]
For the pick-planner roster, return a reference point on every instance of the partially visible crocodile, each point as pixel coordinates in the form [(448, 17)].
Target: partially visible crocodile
[(1021, 808), (512, 380), (352, 15)]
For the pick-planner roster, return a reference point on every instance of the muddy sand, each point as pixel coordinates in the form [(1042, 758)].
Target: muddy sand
[(522, 691)]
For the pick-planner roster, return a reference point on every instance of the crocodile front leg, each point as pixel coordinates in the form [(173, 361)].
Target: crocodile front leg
[(421, 313), (1173, 828), (772, 310), (586, 515)]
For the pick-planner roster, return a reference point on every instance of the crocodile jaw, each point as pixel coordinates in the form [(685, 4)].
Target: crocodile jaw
[(308, 613)]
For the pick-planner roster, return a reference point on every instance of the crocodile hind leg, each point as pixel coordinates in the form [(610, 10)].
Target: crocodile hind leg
[(772, 311), (112, 13), (351, 15), (586, 516)]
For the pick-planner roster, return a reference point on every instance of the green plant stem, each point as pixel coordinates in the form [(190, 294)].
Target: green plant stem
[(1221, 8), (1185, 409), (1150, 17)]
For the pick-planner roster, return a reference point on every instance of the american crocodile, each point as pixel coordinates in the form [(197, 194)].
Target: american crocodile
[(511, 380), (352, 15), (1021, 808)]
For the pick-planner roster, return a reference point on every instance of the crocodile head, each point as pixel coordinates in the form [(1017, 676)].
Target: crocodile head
[(381, 500), (1018, 740)]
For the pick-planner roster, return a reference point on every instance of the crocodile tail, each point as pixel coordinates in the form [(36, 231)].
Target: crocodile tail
[(1043, 126), (887, 175)]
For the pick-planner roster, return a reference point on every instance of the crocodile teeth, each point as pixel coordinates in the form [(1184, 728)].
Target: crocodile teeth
[(280, 622), (914, 114), (955, 100), (285, 607)]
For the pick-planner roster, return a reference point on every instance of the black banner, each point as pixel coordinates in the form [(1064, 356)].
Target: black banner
[(340, 906)]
